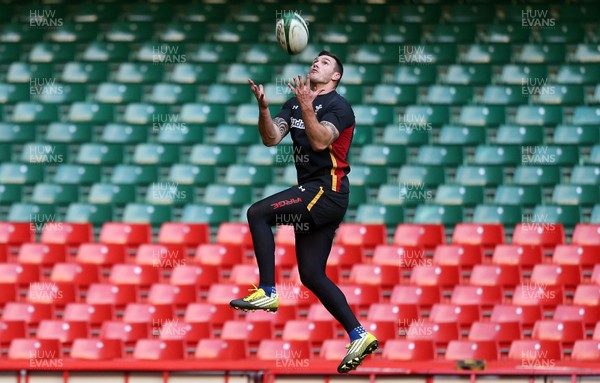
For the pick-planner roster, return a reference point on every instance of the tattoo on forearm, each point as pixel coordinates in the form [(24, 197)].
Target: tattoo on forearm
[(334, 132), (282, 125)]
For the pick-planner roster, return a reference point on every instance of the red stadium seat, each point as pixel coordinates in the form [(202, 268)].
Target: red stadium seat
[(128, 333), (40, 352), (102, 254), (444, 276), (584, 255), (284, 235), (130, 274), (588, 315), (548, 274), (177, 330), (225, 255), (67, 233), (476, 295), (244, 275), (8, 293), (402, 256), (285, 256), (468, 349), (95, 315), (223, 293), (360, 295), (221, 349), (296, 295), (249, 331), (486, 235), (584, 234), (166, 294), (565, 332), (385, 330), (284, 315), (190, 275), (439, 333), (111, 294), (130, 234), (427, 236), (271, 349), (596, 275), (214, 314), (155, 315), (409, 350), (4, 253), (525, 315), (20, 274), (501, 332), (16, 233), (535, 353), (495, 275), (344, 256), (10, 330), (158, 349), (464, 315), (363, 235), (537, 294), (96, 349), (235, 233), (306, 330), (333, 349), (525, 256), (61, 330), (31, 313), (422, 296), (545, 235), (189, 235), (402, 315), (79, 274), (164, 256), (463, 255), (58, 294), (379, 275), (44, 254), (318, 312), (596, 333), (586, 350), (587, 295)]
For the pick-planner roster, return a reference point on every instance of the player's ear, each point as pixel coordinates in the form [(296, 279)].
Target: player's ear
[(336, 76)]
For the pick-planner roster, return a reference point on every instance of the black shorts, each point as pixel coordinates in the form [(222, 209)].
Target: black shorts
[(324, 205)]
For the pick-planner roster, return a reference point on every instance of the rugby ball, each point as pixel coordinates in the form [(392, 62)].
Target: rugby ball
[(292, 33)]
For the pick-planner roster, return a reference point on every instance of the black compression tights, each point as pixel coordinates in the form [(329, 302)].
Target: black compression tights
[(313, 245)]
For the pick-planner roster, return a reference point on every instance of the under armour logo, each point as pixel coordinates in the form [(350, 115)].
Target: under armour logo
[(318, 107), (295, 107), (301, 188)]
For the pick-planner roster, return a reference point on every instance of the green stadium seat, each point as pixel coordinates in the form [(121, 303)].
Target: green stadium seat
[(252, 175), (418, 13), (567, 215), (479, 175), (586, 54), (153, 12), (441, 54), (576, 135), (84, 72), (187, 73), (127, 31), (96, 214), (290, 175), (228, 94), (421, 175), (5, 155), (227, 195), (569, 194), (363, 135), (273, 189), (344, 33), (447, 215), (586, 115), (425, 116), (20, 173), (34, 112), (461, 135), (46, 52), (400, 33), (12, 133), (235, 135), (505, 34), (358, 195), (487, 54), (14, 34), (440, 155), (481, 115), (265, 53), (352, 93), (448, 95), (11, 93), (516, 74), (56, 93), (363, 74), (90, 112), (44, 153), (466, 195), (468, 75), (507, 215), (230, 32), (54, 194), (541, 54), (106, 51), (215, 53), (394, 135), (503, 95), (117, 93), (259, 154), (390, 194), (539, 115), (314, 12), (204, 12), (247, 114), (520, 135), (77, 174), (124, 134), (452, 33), (154, 215), (382, 155), (200, 213), (139, 73), (522, 195), (37, 214), (254, 13), (24, 71), (169, 193), (155, 154), (414, 75), (156, 115), (537, 175), (134, 174), (9, 52), (577, 12), (586, 74), (187, 174), (199, 113), (394, 94), (585, 175), (61, 132), (560, 95), (204, 154), (367, 175), (389, 215), (111, 194), (562, 34), (497, 155), (566, 155), (277, 94), (179, 133), (292, 70), (470, 13), (164, 93), (70, 32), (383, 54), (362, 13), (10, 193), (240, 73), (95, 12), (100, 154)]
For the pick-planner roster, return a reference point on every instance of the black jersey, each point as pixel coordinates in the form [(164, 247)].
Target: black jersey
[(329, 165)]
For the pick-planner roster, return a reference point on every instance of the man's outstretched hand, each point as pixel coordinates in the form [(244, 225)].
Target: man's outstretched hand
[(303, 92), (259, 93)]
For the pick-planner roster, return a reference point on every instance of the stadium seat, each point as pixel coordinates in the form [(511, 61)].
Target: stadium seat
[(378, 275), (497, 155), (502, 275), (422, 296), (110, 294), (525, 315), (158, 349), (422, 235), (130, 234), (539, 234), (44, 254), (586, 234), (16, 233), (10, 331), (134, 174), (505, 33), (409, 350), (586, 315), (219, 254), (468, 349), (78, 274), (587, 295), (118, 93), (524, 195), (503, 332), (435, 275), (476, 295), (423, 330), (504, 94), (61, 330), (30, 313), (95, 315), (447, 215), (532, 294), (221, 349), (19, 274), (366, 236), (487, 176), (96, 349), (468, 75), (586, 350), (585, 175), (41, 352), (532, 353), (487, 54), (464, 256), (488, 235)]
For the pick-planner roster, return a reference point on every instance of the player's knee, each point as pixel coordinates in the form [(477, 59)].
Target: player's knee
[(254, 212), (308, 277)]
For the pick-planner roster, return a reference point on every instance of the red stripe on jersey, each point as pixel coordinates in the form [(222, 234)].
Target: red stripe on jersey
[(339, 150)]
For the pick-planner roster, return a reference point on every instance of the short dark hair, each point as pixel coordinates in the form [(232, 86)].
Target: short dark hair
[(338, 64)]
